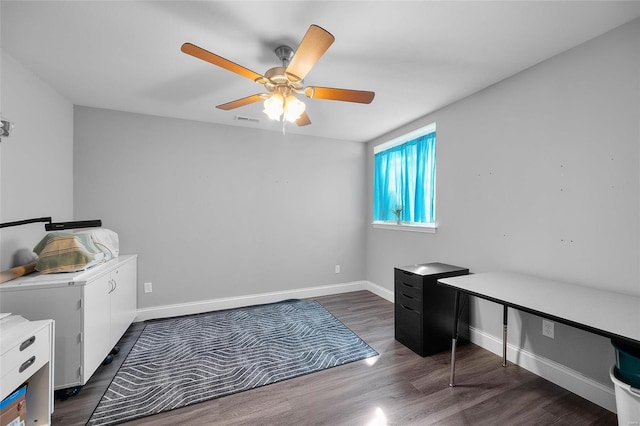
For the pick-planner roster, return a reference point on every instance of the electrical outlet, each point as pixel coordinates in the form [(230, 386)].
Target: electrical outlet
[(547, 328), (148, 287), (337, 269)]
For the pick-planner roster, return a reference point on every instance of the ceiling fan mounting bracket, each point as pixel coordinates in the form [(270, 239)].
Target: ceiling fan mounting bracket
[(285, 54)]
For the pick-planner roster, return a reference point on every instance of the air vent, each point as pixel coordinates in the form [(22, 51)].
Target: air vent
[(247, 119)]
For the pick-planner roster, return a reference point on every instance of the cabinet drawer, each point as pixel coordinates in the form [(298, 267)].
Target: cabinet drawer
[(18, 365), (410, 279), (37, 344), (408, 287), (408, 328), (408, 302), (411, 313)]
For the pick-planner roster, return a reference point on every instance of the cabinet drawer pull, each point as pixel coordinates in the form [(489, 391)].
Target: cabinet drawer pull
[(406, 285), (406, 307), (24, 345), (407, 296), (28, 363)]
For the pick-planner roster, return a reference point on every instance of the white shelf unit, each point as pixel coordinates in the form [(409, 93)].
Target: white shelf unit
[(26, 351)]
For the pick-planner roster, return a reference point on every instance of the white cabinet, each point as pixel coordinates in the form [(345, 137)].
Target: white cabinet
[(26, 348), (92, 310)]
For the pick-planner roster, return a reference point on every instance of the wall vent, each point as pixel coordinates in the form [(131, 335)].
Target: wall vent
[(247, 119)]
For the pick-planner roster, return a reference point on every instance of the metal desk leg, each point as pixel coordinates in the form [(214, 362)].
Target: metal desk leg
[(504, 335), (456, 315)]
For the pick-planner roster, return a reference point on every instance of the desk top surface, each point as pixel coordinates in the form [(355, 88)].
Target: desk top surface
[(434, 268), (603, 312)]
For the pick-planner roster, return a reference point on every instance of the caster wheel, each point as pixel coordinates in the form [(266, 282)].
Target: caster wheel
[(64, 394), (107, 360)]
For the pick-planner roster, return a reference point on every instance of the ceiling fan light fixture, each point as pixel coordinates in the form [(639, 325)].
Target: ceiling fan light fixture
[(277, 107), (293, 108), (274, 106)]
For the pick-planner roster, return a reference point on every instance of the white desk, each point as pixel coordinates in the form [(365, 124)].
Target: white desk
[(609, 314)]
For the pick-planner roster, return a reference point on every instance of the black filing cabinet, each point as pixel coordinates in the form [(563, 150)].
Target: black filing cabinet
[(424, 308)]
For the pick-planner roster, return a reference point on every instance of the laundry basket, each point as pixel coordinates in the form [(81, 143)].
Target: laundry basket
[(627, 401), (627, 363)]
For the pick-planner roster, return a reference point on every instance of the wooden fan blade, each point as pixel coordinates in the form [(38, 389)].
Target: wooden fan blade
[(346, 95), (205, 55), (303, 120), (244, 101), (313, 45)]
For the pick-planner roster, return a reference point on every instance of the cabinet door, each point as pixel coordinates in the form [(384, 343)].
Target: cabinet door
[(96, 324), (123, 299)]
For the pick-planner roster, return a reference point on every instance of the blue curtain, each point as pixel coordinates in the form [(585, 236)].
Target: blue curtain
[(404, 177)]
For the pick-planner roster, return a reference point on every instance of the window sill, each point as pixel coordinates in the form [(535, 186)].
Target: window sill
[(429, 229)]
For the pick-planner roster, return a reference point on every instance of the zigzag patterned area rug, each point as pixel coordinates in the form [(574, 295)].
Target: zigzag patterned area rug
[(182, 361)]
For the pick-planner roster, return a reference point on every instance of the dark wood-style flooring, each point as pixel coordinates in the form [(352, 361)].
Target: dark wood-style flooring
[(396, 388)]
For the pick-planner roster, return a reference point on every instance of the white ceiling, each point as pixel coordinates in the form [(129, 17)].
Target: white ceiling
[(418, 56)]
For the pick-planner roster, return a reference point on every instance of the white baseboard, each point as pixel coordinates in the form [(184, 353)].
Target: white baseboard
[(549, 370), (178, 309), (380, 291)]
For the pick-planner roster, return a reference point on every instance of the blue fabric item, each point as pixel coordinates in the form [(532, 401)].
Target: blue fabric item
[(404, 177), (22, 391)]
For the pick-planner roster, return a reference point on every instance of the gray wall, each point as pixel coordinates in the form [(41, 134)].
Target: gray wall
[(216, 211), (36, 175), (538, 174)]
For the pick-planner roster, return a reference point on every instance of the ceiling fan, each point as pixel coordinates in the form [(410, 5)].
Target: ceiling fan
[(285, 82)]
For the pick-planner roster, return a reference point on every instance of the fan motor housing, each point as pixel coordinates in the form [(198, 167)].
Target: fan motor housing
[(277, 77)]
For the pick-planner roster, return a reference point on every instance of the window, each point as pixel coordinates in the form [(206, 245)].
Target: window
[(405, 181)]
